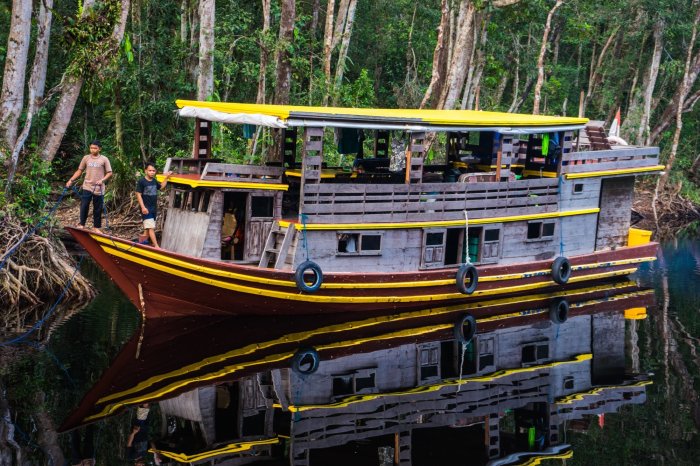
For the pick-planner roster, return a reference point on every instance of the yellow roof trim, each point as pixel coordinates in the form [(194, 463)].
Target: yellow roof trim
[(654, 168), (445, 223), (380, 115), (225, 184)]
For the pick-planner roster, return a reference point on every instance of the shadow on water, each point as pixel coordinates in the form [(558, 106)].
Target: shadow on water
[(602, 383)]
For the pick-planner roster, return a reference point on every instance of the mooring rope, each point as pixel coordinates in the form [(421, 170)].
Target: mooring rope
[(50, 312), (466, 235), (561, 219), (306, 245)]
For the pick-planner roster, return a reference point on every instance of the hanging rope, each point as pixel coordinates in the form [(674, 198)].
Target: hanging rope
[(49, 313), (561, 219), (306, 245), (466, 235), (31, 231)]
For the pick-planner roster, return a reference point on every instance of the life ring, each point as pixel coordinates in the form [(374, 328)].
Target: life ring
[(467, 272), (465, 329), (561, 270), (305, 361), (302, 270), (559, 310)]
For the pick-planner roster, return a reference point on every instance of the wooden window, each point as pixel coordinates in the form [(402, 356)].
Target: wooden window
[(486, 353), (535, 353), (359, 381), (568, 383), (359, 244), (540, 230), (429, 359), (261, 206), (492, 240), (578, 188), (433, 248)]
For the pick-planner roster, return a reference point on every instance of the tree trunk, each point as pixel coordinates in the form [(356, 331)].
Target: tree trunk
[(328, 48), (343, 53), (594, 76), (684, 90), (340, 22), (650, 83), (664, 121), (540, 58), (12, 95), (70, 90), (476, 71), (264, 53), (205, 79), (439, 55), (184, 13), (37, 84), (283, 63), (457, 69)]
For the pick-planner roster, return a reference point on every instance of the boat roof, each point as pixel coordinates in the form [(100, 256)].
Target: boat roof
[(283, 116)]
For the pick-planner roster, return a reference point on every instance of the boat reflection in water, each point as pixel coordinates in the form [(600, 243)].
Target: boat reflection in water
[(412, 388)]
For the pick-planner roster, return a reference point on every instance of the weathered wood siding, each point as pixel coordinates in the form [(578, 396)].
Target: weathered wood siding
[(184, 231), (615, 159), (211, 249), (608, 345), (329, 203), (616, 196), (400, 251)]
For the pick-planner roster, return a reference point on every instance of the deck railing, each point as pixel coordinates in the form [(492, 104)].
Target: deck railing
[(247, 173), (333, 203), (614, 159)]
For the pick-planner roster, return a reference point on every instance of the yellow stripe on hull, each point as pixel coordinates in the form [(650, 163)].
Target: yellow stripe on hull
[(445, 223), (575, 176), (316, 298), (228, 449)]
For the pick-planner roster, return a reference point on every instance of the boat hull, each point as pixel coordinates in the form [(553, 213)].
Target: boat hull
[(161, 283)]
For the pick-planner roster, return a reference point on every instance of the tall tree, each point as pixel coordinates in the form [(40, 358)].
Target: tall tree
[(205, 79), (264, 52), (540, 58), (74, 77), (12, 96), (37, 84), (344, 45), (284, 46)]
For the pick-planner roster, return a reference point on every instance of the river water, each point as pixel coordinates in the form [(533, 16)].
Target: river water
[(607, 386)]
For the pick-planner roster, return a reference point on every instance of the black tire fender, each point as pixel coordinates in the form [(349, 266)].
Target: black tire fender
[(561, 270), (465, 329), (559, 310), (305, 361), (467, 273), (305, 268)]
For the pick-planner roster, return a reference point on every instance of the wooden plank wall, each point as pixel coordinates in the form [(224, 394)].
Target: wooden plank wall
[(211, 249), (608, 342), (616, 196), (615, 159), (325, 203), (184, 231), (401, 251)]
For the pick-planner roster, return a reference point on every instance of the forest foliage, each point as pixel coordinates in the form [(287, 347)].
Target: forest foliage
[(598, 57)]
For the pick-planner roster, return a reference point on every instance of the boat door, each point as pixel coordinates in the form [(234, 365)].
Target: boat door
[(260, 214)]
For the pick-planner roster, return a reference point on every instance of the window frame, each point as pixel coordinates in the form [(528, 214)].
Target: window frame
[(541, 228), (359, 251)]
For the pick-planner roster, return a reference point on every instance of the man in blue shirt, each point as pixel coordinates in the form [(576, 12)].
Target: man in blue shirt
[(147, 194)]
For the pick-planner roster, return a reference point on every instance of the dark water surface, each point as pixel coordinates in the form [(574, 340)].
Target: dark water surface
[(595, 389)]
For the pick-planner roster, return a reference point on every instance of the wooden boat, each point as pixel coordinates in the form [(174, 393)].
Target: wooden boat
[(506, 206), (379, 379)]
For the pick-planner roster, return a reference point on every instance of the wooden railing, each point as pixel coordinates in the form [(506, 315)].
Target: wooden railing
[(333, 203), (247, 173), (614, 159), (187, 166)]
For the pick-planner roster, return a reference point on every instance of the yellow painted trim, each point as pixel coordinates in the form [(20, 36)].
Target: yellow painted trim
[(424, 116), (188, 265), (493, 167), (351, 400), (445, 223), (225, 184), (574, 176), (560, 456), (316, 298), (542, 174), (597, 391), (236, 447), (299, 337), (370, 285)]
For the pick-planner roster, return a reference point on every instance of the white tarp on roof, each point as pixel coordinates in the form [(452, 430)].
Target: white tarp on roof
[(236, 118)]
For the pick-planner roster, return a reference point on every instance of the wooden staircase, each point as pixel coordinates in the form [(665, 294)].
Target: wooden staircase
[(280, 247)]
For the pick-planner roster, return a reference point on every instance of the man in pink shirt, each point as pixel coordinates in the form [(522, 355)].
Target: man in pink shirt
[(97, 170)]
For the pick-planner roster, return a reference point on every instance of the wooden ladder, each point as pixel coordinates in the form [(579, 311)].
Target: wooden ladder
[(279, 248)]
